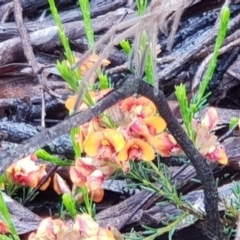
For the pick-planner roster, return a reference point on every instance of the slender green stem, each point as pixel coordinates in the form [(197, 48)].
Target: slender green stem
[(168, 228), (84, 4), (6, 217), (224, 20), (63, 37), (69, 203), (188, 110)]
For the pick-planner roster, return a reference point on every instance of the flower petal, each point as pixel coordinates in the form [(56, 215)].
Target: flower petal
[(93, 143), (148, 109), (45, 185), (136, 149), (147, 150), (70, 103), (105, 234), (95, 180), (140, 128), (86, 225), (29, 179), (165, 144), (211, 119), (141, 106), (3, 228), (115, 138), (97, 195), (85, 165), (155, 124), (59, 185), (77, 177), (217, 153)]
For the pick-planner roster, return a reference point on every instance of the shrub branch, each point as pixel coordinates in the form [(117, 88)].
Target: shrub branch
[(130, 86)]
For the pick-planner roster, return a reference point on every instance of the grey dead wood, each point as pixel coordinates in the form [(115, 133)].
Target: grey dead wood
[(47, 38), (29, 54), (206, 40), (196, 198), (31, 7), (8, 29)]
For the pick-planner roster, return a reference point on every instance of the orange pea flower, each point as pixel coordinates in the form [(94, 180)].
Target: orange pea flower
[(89, 229), (107, 167), (93, 183), (85, 225), (50, 229), (25, 172), (77, 176), (84, 173), (139, 128), (155, 124), (86, 129), (95, 180), (206, 141), (95, 95), (90, 62), (85, 165), (217, 154), (136, 149), (141, 106), (166, 145), (104, 144), (148, 127)]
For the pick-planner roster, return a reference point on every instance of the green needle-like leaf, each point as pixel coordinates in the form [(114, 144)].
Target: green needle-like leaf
[(50, 158)]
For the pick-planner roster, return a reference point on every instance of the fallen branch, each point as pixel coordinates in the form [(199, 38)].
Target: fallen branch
[(48, 135)]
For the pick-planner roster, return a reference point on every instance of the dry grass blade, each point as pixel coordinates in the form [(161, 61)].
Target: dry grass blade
[(168, 8), (158, 12), (177, 17), (153, 48)]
